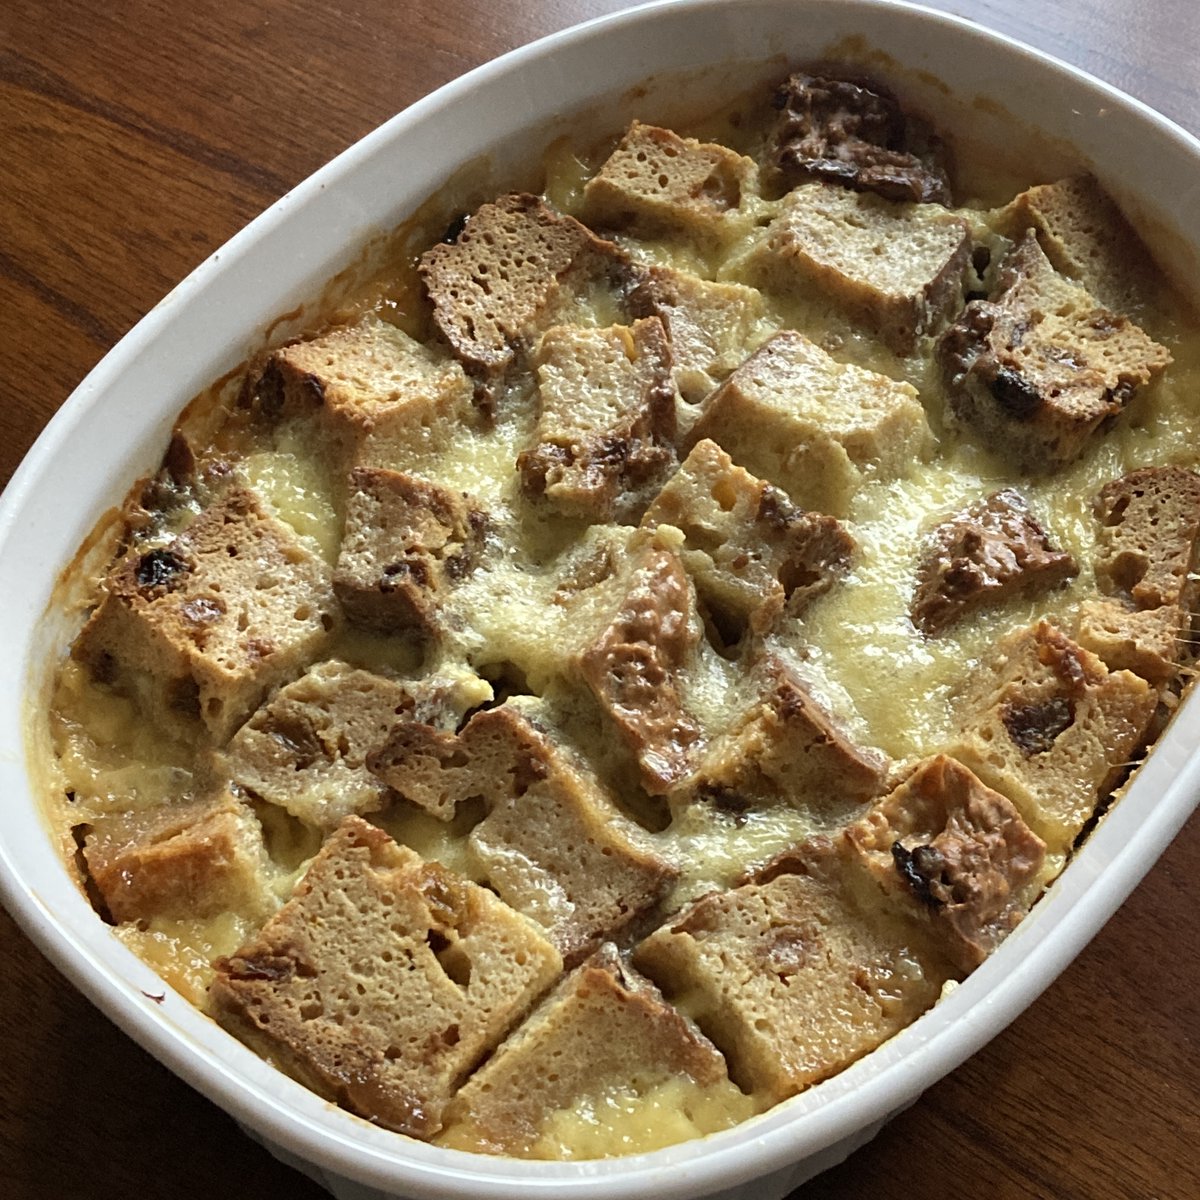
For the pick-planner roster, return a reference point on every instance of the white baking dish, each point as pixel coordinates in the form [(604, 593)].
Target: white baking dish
[(689, 53)]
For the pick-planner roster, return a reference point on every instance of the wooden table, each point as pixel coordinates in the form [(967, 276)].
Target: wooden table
[(138, 135)]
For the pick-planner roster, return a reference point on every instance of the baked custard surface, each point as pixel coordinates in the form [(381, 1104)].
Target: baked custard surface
[(625, 674)]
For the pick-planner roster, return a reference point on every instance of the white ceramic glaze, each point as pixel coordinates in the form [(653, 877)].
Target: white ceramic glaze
[(115, 426)]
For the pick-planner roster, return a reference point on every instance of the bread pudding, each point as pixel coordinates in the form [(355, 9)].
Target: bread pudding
[(628, 666)]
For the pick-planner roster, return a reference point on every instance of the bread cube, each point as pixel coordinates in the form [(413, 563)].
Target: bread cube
[(384, 981), (657, 182), (1085, 237), (498, 752), (514, 263), (205, 625), (1145, 563), (812, 426), (1047, 725), (852, 133), (953, 854), (371, 388), (1149, 529), (988, 553), (1041, 367), (195, 859), (785, 748), (707, 324), (1149, 642), (405, 544), (604, 1028), (751, 553), (790, 978), (897, 270), (552, 845), (306, 749), (634, 667), (606, 419)]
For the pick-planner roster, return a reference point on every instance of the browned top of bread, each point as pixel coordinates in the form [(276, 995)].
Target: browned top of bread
[(606, 418), (708, 323), (1048, 725), (897, 269), (657, 181), (854, 133), (364, 374), (1087, 238), (306, 748), (751, 552), (192, 859), (786, 748), (216, 616), (1149, 528), (553, 845), (790, 979), (405, 543)]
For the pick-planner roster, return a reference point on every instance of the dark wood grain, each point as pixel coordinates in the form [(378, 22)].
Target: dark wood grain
[(137, 137)]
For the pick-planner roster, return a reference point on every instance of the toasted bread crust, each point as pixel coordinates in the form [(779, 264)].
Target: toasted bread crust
[(812, 426), (606, 419), (952, 853), (604, 1026), (790, 978), (658, 182), (553, 845)]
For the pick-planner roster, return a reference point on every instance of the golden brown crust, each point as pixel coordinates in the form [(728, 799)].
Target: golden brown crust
[(813, 426), (952, 853), (656, 181), (790, 979), (634, 667), (193, 859), (552, 845), (1049, 726), (370, 386), (306, 749), (1149, 529), (1145, 563), (987, 554), (708, 324), (785, 748), (494, 285), (1150, 642), (1087, 238)]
